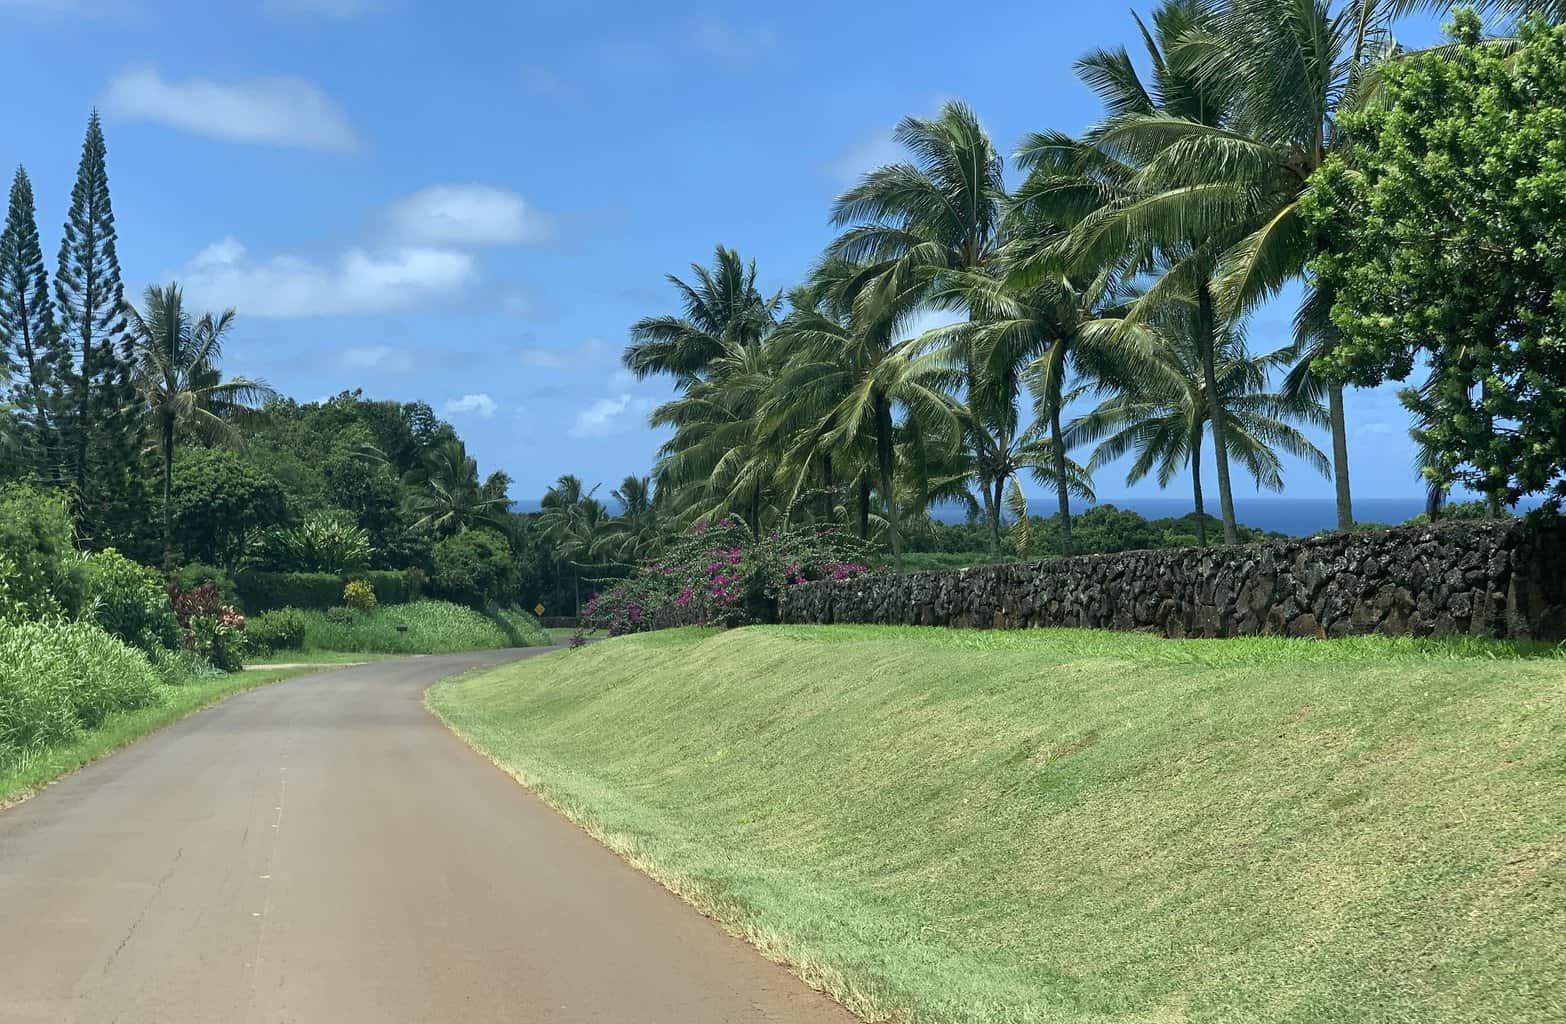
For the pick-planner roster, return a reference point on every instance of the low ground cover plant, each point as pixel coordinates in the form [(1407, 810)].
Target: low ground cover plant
[(723, 574)]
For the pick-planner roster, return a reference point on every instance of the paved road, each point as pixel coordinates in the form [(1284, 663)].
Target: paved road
[(322, 850)]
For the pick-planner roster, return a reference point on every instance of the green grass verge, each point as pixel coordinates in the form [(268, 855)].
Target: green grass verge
[(37, 768), (1071, 826), (433, 627)]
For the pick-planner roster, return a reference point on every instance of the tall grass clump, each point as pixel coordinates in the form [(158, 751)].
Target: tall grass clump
[(60, 679)]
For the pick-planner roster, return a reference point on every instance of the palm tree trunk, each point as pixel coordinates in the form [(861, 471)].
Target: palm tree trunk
[(864, 506), (886, 456), (1196, 488), (1062, 492), (168, 492), (1340, 464), (993, 500), (1206, 336), (826, 487)]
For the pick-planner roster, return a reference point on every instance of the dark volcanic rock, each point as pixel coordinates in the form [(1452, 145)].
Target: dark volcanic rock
[(1504, 579)]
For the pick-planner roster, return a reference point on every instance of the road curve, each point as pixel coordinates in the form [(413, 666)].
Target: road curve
[(323, 850)]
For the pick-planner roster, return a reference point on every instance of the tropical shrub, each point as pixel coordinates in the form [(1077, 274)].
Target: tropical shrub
[(59, 678), (722, 574), (339, 616), (128, 600), (282, 629), (38, 566), (198, 574), (474, 568), (323, 543), (211, 628), (359, 596)]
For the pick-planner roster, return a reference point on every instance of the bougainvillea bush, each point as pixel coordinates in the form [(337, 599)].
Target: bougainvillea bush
[(210, 628), (722, 574)]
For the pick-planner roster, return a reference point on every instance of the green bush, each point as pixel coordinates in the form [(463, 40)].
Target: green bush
[(210, 627), (265, 591), (474, 568), (198, 574), (57, 679), (324, 542), (128, 600), (359, 596), (38, 567), (433, 627), (282, 629)]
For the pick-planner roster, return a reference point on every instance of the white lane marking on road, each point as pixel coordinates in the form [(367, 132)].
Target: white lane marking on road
[(266, 894)]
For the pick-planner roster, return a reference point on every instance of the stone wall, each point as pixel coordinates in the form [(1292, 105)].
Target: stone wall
[(1483, 579)]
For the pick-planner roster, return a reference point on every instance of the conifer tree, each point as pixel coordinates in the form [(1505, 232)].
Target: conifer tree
[(96, 396), (28, 339)]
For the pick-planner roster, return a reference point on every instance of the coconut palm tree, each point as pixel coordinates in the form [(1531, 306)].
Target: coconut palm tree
[(175, 366), (723, 309), (634, 533), (905, 225), (1160, 412), (571, 518), (444, 495)]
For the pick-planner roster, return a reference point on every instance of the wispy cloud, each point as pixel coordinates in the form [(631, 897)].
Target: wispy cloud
[(358, 281), (878, 150), (730, 46), (609, 415), (589, 354), (376, 357), (465, 215), (480, 404), (280, 111)]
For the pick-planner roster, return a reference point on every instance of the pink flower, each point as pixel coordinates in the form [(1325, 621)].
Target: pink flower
[(684, 600)]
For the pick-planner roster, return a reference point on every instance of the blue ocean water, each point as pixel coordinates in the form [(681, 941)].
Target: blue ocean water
[(1297, 517)]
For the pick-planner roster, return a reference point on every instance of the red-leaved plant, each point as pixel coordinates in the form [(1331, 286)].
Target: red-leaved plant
[(211, 629)]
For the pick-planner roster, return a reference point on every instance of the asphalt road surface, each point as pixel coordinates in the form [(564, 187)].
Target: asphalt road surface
[(323, 850)]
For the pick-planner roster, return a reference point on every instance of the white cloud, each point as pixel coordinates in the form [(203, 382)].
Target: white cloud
[(465, 215), (732, 47), (376, 357), (281, 111), (588, 354), (358, 281), (480, 403), (876, 151), (600, 418)]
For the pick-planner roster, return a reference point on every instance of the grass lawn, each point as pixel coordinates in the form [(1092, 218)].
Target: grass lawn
[(21, 780), (1069, 826)]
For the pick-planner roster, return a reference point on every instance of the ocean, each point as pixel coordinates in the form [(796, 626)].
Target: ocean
[(1297, 517)]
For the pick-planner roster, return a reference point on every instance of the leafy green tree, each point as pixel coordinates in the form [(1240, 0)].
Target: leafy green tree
[(1442, 228), (176, 373), (221, 505), (723, 310), (474, 568), (28, 338), (94, 377)]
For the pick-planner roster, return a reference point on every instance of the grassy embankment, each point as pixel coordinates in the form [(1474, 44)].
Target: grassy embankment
[(1074, 826), (21, 774)]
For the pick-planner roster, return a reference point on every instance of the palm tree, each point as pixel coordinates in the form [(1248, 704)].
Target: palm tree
[(572, 519), (175, 367), (907, 224), (634, 533), (1109, 194), (723, 309), (1160, 412), (862, 377), (444, 496)]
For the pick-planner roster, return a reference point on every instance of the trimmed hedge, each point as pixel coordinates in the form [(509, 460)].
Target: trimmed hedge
[(266, 591)]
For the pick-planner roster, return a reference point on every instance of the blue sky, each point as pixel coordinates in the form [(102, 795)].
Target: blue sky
[(470, 208)]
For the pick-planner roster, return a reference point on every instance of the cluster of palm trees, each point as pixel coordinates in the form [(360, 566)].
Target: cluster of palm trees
[(1122, 270), (583, 535)]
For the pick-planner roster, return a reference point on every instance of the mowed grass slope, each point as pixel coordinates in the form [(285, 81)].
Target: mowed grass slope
[(1072, 826)]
